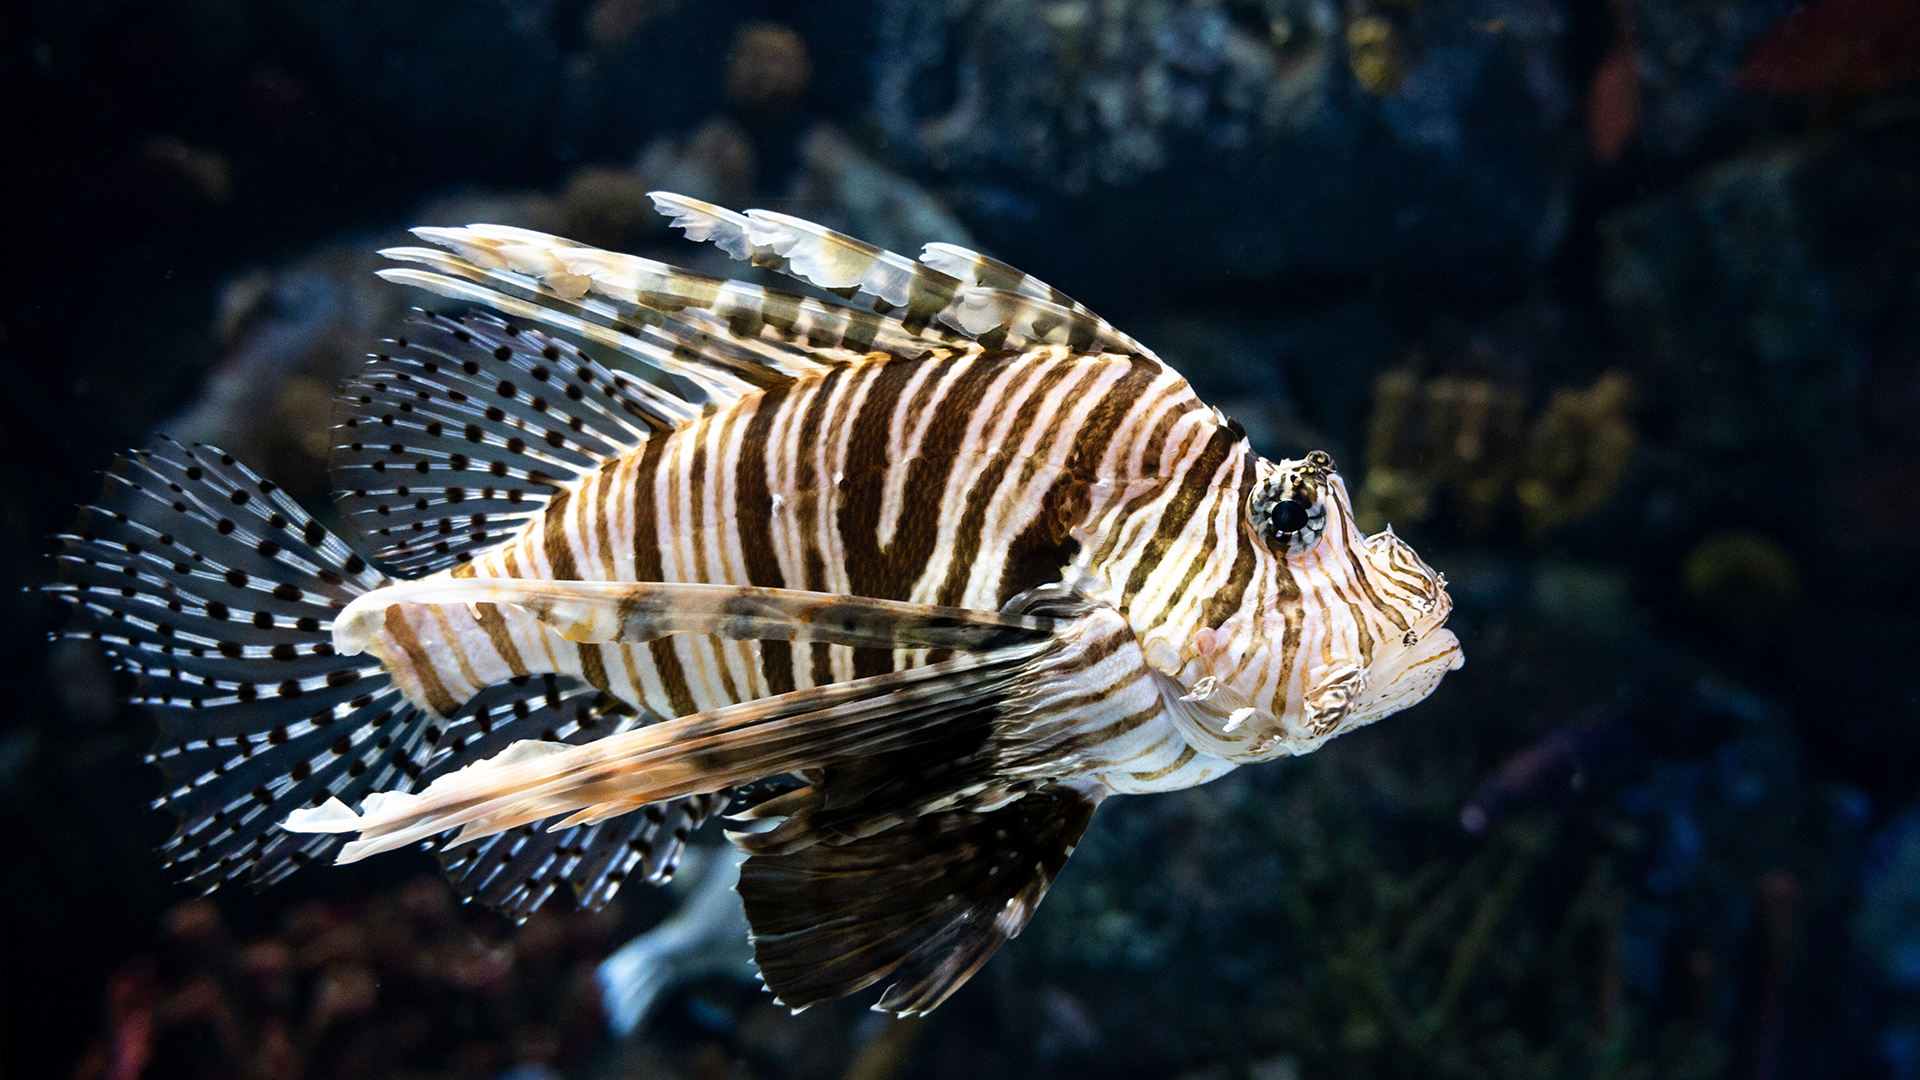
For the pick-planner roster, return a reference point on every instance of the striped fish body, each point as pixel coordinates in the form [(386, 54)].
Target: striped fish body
[(959, 480), (955, 557)]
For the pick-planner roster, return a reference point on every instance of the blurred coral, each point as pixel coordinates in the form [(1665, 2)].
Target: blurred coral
[(392, 983), (1840, 48), (1577, 455), (605, 207), (768, 68), (1373, 52), (1742, 576), (715, 162), (1423, 435), (1468, 436)]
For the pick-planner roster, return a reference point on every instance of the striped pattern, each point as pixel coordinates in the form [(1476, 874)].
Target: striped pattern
[(963, 479), (994, 436), (949, 550)]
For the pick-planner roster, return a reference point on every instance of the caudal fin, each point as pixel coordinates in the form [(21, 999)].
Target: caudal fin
[(219, 592)]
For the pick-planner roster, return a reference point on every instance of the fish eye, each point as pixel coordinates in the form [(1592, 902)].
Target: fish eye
[(1287, 513), (1289, 516)]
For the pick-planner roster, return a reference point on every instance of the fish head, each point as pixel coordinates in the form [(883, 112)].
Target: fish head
[(1337, 628)]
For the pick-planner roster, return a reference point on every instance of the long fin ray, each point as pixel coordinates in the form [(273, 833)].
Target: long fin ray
[(625, 319), (635, 612), (997, 306), (514, 872), (694, 754), (782, 330), (551, 309), (978, 270), (746, 332)]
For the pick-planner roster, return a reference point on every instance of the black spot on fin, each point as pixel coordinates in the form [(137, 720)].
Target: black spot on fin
[(925, 903), (516, 871), (219, 592), (465, 430)]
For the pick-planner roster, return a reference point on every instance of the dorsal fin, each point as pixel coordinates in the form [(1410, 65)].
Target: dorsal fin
[(739, 327), (464, 431), (978, 270), (998, 306)]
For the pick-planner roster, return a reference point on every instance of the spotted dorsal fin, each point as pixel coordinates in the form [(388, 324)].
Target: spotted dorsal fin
[(924, 297), (462, 432)]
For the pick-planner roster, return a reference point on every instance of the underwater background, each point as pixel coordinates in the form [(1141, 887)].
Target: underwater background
[(1611, 307)]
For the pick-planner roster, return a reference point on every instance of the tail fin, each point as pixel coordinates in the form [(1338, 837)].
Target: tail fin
[(219, 592)]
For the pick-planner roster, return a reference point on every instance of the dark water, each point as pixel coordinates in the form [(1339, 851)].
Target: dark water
[(1612, 307)]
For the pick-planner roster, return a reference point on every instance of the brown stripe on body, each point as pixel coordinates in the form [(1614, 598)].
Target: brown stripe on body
[(1044, 547), (806, 483), (696, 480), (1093, 440), (460, 658), (400, 632), (1199, 562), (1365, 577), (1187, 753), (1179, 510), (1115, 729), (646, 567), (1150, 462), (593, 666), (1210, 546), (603, 485), (932, 471), (970, 534), (495, 627), (1233, 592), (1287, 602), (888, 573), (753, 523), (554, 538)]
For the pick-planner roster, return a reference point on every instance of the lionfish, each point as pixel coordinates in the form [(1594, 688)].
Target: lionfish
[(909, 581)]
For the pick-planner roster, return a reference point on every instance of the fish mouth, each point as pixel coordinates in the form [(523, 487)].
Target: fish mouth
[(1407, 675)]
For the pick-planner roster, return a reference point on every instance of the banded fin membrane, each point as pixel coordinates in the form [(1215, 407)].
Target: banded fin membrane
[(925, 904), (219, 593), (980, 272), (986, 301), (723, 334), (465, 431), (516, 871)]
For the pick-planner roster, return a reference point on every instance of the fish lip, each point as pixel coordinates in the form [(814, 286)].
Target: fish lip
[(1387, 693)]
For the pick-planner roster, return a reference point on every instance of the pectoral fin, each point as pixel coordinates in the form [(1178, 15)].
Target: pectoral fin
[(696, 754), (639, 611), (926, 903)]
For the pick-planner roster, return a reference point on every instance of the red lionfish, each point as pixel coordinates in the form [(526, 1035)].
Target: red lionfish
[(950, 558)]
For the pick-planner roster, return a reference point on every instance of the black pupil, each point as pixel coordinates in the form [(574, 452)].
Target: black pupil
[(1289, 516)]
